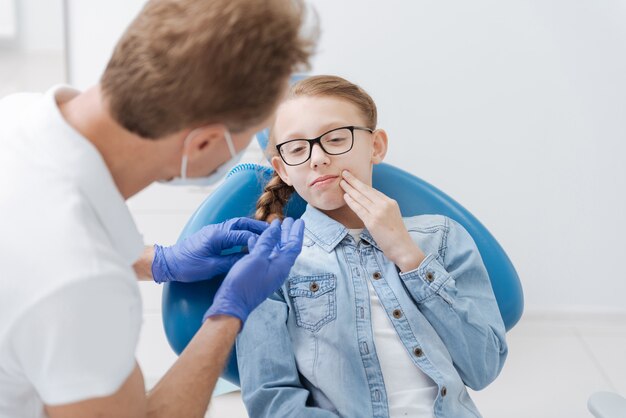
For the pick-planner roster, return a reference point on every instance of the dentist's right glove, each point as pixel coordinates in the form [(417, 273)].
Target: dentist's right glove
[(199, 256), (259, 274)]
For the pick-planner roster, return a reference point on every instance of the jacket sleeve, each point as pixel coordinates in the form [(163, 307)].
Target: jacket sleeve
[(454, 293), (270, 383)]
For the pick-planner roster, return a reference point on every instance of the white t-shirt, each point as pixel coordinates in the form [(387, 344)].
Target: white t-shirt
[(70, 309), (410, 392)]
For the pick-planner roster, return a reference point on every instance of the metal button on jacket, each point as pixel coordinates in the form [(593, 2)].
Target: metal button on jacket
[(377, 275), (397, 313), (314, 287)]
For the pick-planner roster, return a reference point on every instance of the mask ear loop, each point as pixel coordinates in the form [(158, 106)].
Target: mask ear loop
[(183, 168), (229, 141), (183, 164)]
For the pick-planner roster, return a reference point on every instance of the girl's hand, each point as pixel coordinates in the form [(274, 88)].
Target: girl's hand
[(382, 218)]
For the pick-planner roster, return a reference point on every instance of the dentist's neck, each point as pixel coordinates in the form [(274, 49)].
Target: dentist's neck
[(131, 159)]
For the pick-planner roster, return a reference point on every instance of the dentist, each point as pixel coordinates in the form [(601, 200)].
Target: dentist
[(187, 86)]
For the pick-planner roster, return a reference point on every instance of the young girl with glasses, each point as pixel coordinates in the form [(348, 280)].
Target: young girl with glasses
[(381, 316)]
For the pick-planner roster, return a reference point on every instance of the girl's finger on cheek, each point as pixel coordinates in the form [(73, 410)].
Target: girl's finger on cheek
[(357, 195), (353, 204), (355, 182), (347, 176), (359, 191), (356, 206), (346, 186)]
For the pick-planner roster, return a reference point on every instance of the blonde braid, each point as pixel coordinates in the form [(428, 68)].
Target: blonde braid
[(272, 201)]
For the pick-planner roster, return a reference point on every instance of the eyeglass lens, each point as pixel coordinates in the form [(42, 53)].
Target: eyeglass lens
[(335, 142)]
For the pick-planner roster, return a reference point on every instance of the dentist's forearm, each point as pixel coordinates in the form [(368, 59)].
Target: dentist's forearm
[(185, 390), (143, 266)]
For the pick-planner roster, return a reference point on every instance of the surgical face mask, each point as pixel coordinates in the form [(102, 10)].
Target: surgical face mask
[(212, 178)]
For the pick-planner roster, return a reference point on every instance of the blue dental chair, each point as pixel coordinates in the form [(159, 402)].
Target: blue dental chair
[(184, 304)]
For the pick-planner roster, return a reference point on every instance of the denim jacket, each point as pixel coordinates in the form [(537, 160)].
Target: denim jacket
[(308, 350)]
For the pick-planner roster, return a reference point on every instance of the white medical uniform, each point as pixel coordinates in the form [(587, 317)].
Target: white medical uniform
[(70, 309)]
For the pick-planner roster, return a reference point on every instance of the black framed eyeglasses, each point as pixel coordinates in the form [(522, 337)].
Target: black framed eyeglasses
[(334, 142)]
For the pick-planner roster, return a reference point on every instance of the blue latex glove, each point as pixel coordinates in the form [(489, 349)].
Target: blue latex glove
[(260, 273), (199, 256)]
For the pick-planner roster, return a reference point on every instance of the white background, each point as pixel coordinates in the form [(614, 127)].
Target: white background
[(31, 45), (8, 26), (34, 25), (516, 109)]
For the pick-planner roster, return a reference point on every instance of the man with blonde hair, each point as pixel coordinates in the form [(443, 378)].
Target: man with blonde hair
[(187, 86)]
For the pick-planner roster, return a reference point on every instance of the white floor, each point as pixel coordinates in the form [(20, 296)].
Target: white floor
[(554, 365)]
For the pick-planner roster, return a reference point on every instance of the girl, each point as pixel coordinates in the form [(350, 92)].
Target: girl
[(381, 316)]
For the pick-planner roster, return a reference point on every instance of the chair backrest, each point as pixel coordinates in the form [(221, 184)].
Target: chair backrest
[(184, 304)]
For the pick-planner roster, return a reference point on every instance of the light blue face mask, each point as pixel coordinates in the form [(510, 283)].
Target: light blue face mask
[(212, 178)]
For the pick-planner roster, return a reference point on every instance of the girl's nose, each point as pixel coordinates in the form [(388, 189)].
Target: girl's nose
[(318, 156)]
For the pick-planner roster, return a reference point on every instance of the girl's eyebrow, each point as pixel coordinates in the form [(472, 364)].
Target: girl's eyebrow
[(322, 129)]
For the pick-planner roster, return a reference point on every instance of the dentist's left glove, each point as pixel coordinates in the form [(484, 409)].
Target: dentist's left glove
[(260, 273), (199, 256)]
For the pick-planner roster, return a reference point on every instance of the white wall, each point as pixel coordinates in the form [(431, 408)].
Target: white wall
[(93, 30), (32, 26), (516, 109), (8, 20), (31, 45), (40, 25)]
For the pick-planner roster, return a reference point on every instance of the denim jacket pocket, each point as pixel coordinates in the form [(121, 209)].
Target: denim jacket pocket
[(314, 300)]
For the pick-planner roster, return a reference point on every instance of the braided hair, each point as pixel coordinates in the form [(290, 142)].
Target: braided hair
[(272, 202)]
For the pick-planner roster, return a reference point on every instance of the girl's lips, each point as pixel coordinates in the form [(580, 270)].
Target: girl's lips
[(324, 180)]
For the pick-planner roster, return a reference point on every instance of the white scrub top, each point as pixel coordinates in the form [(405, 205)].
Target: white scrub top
[(70, 309)]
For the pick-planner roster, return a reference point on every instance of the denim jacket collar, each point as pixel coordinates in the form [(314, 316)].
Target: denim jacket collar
[(326, 232)]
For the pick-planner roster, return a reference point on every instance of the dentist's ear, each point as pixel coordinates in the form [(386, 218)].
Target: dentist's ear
[(379, 146), (206, 136), (279, 167), (205, 147)]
